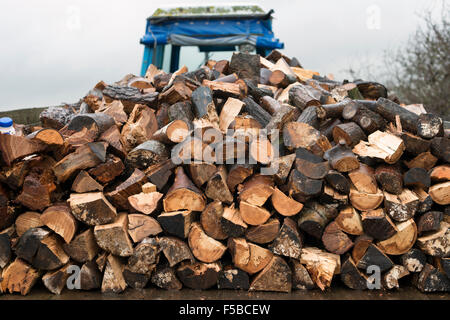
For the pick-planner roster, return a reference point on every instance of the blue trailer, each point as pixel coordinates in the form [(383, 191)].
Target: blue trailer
[(210, 28)]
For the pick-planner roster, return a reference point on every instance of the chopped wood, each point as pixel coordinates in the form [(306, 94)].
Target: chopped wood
[(276, 276), (363, 178), (440, 193), (175, 250), (132, 185), (198, 275), (19, 277), (302, 135), (350, 221), (85, 183), (341, 158), (321, 265), (402, 241), (177, 223), (431, 279), (364, 201), (141, 226), (381, 145), (436, 244), (59, 219), (390, 178), (310, 165), (55, 281), (145, 203), (284, 204), (288, 243), (335, 240), (113, 237), (211, 220), (430, 221), (27, 220), (217, 188), (113, 280), (414, 260), (248, 256), (378, 225), (83, 247), (203, 247), (352, 277), (374, 256), (92, 208), (264, 233)]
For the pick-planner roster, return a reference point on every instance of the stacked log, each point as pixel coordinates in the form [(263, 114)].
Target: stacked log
[(180, 180)]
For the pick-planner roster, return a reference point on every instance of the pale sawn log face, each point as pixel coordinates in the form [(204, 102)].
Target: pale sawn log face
[(355, 180)]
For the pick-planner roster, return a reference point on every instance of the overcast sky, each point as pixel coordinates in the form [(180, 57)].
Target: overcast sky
[(54, 51)]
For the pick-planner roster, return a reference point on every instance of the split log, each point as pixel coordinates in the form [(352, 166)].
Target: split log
[(83, 247), (285, 205), (85, 183), (27, 220), (141, 226), (440, 193), (19, 277), (252, 214), (352, 277), (390, 178), (237, 174), (247, 66), (202, 101), (14, 147), (424, 160), (429, 221), (341, 158), (113, 137), (147, 153), (198, 275), (223, 89), (59, 219), (414, 260), (113, 280), (285, 115), (108, 170), (302, 96), (415, 145), (181, 111), (176, 223), (91, 208), (269, 104), (229, 111), (165, 278), (233, 279), (364, 201), (263, 233), (440, 173), (280, 167), (48, 136), (360, 246), (84, 157), (140, 127), (381, 145), (402, 241), (288, 243), (149, 188), (38, 188), (276, 276), (203, 247), (373, 256), (144, 258), (310, 165), (211, 220), (217, 188), (302, 187), (145, 203), (175, 250), (257, 190), (5, 249), (378, 225), (183, 195), (90, 276), (174, 132), (335, 240), (350, 132), (350, 221), (132, 185), (309, 116), (314, 217), (363, 179), (159, 173), (417, 177), (432, 280), (97, 122), (401, 207), (338, 181), (248, 256), (321, 265), (232, 223), (261, 150), (333, 198), (113, 237), (436, 244), (302, 135), (256, 111), (55, 281), (178, 91), (440, 147), (40, 248), (300, 276)]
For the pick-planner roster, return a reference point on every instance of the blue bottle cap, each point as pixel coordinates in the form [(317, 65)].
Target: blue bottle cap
[(6, 122)]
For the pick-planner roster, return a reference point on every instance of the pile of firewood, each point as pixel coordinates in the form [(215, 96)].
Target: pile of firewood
[(359, 191)]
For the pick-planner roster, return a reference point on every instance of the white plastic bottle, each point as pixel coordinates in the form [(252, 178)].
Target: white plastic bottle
[(6, 126)]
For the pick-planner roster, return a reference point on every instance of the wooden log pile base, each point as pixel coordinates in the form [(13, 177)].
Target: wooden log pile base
[(351, 182)]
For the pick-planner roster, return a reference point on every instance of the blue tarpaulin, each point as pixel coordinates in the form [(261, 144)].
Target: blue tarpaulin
[(259, 31), (207, 31)]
